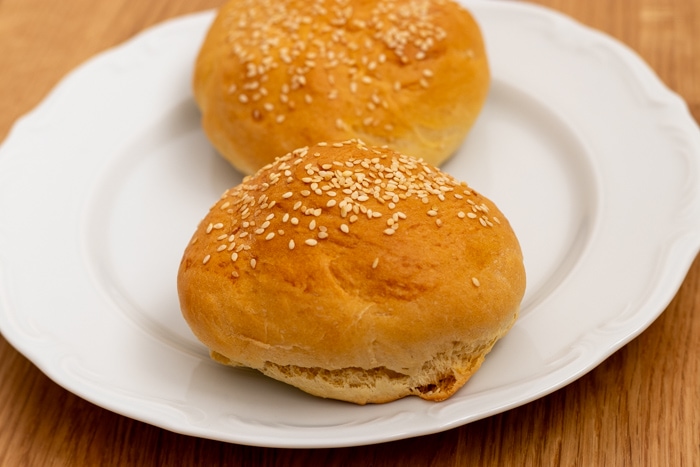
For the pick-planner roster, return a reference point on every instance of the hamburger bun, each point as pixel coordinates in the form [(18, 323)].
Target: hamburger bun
[(274, 75), (354, 273)]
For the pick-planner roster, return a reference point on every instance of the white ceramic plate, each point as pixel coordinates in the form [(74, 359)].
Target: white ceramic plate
[(593, 160)]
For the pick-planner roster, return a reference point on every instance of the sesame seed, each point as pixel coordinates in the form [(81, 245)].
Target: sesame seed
[(358, 186), (476, 282), (206, 259), (253, 263), (375, 263)]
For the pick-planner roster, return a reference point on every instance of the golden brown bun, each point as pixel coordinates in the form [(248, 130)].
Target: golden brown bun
[(353, 273), (273, 75)]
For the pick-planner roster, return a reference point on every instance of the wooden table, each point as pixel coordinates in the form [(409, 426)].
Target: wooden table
[(640, 407)]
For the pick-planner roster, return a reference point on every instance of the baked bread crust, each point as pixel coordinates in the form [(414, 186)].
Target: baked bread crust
[(354, 273), (273, 75)]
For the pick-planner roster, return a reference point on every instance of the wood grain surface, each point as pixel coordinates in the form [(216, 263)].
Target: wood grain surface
[(641, 407)]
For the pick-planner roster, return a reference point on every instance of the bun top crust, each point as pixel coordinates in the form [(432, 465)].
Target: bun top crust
[(273, 75), (342, 256)]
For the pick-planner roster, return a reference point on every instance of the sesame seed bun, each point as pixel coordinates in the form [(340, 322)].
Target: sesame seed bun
[(354, 273), (273, 75)]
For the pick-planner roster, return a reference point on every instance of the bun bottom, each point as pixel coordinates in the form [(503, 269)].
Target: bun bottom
[(438, 379)]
